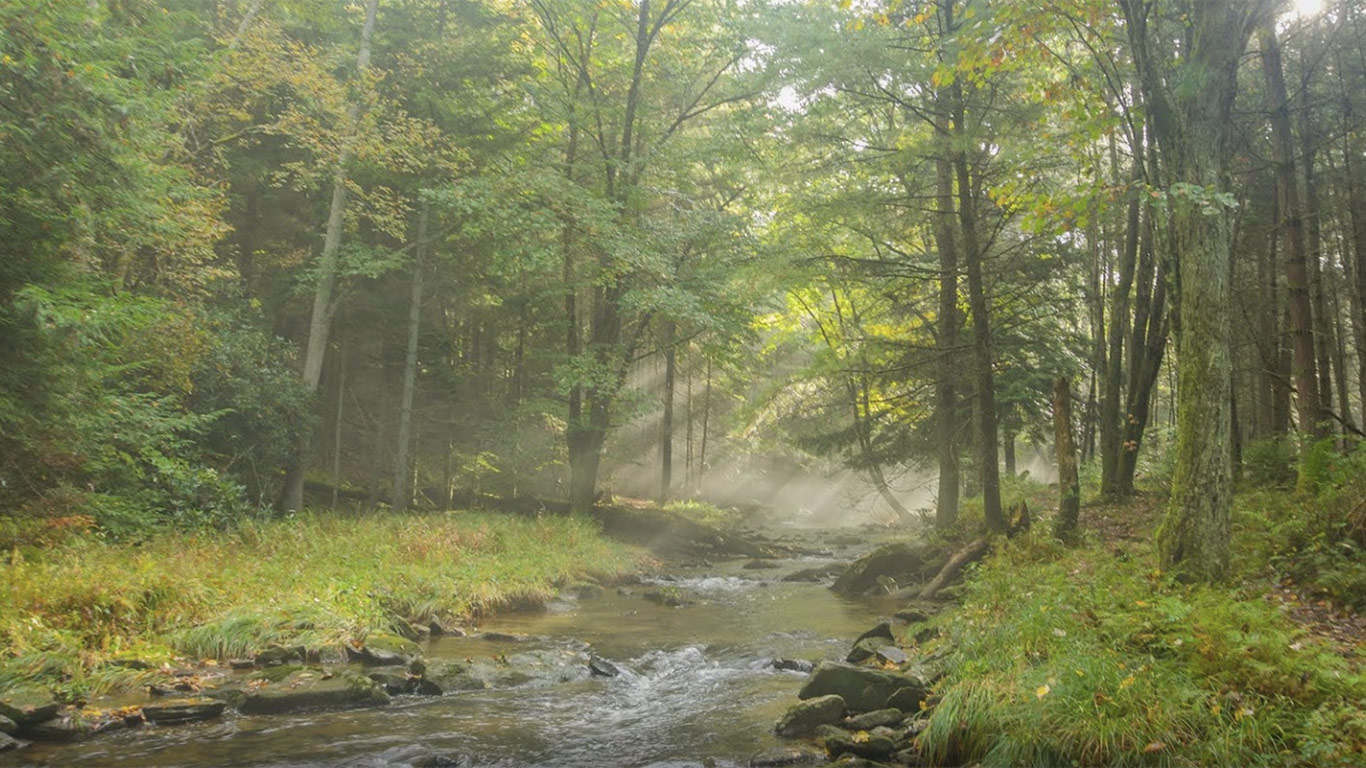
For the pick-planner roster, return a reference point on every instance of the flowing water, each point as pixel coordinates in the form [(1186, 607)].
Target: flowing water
[(696, 689)]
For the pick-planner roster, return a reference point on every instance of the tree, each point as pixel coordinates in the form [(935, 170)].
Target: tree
[(1190, 97)]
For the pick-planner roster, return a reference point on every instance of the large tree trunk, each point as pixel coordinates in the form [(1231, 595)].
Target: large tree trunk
[(324, 302), (402, 492), (946, 340), (1311, 416), (988, 470), (1191, 126)]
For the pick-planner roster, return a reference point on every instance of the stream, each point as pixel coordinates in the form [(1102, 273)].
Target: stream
[(696, 687)]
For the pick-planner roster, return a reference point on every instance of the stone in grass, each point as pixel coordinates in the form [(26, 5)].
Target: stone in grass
[(781, 757), (863, 688), (176, 711), (27, 706), (311, 689), (805, 716)]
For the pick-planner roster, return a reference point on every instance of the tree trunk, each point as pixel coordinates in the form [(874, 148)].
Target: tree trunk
[(402, 492), (1290, 215), (988, 470), (666, 425), (946, 341), (324, 303), (1111, 429), (1069, 488), (1148, 343), (1191, 126)]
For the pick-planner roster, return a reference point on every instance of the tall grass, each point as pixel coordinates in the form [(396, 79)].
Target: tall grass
[(1089, 656), (318, 580)]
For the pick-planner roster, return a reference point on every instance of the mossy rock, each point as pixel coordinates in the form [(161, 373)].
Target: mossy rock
[(189, 710), (863, 688), (312, 689), (804, 717), (28, 706)]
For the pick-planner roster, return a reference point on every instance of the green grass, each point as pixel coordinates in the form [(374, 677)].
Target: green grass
[(1089, 656), (318, 580)]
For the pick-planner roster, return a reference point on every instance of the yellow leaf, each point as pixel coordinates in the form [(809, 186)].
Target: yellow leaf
[(1041, 691), (1154, 746)]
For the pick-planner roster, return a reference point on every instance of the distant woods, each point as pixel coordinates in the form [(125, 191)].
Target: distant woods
[(255, 256)]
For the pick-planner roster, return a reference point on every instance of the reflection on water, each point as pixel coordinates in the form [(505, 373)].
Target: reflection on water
[(695, 689)]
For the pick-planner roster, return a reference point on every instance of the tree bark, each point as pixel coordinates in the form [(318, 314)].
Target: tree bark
[(324, 302), (946, 341), (1191, 126), (1290, 214), (1069, 488), (988, 469)]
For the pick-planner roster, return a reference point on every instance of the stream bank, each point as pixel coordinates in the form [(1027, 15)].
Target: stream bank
[(705, 651)]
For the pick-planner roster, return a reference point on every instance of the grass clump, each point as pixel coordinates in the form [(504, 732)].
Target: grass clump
[(69, 613), (1089, 656)]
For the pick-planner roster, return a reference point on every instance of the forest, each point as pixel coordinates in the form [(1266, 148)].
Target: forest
[(343, 334)]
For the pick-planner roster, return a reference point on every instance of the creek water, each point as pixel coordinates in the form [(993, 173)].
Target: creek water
[(696, 688)]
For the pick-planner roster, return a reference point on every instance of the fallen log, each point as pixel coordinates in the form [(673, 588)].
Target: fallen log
[(974, 551)]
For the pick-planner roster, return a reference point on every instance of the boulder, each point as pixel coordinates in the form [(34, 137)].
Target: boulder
[(890, 654), (878, 718), (866, 649), (894, 560), (383, 650), (8, 742), (780, 757), (311, 689), (175, 711), (863, 688), (601, 667), (908, 699), (877, 744), (8, 726), (72, 727), (28, 706), (883, 630), (761, 565), (804, 717)]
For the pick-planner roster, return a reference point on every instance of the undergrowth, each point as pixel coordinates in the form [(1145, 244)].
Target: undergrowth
[(1089, 656), (69, 616)]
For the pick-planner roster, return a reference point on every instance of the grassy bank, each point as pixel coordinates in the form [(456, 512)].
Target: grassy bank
[(1090, 656), (73, 615)]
